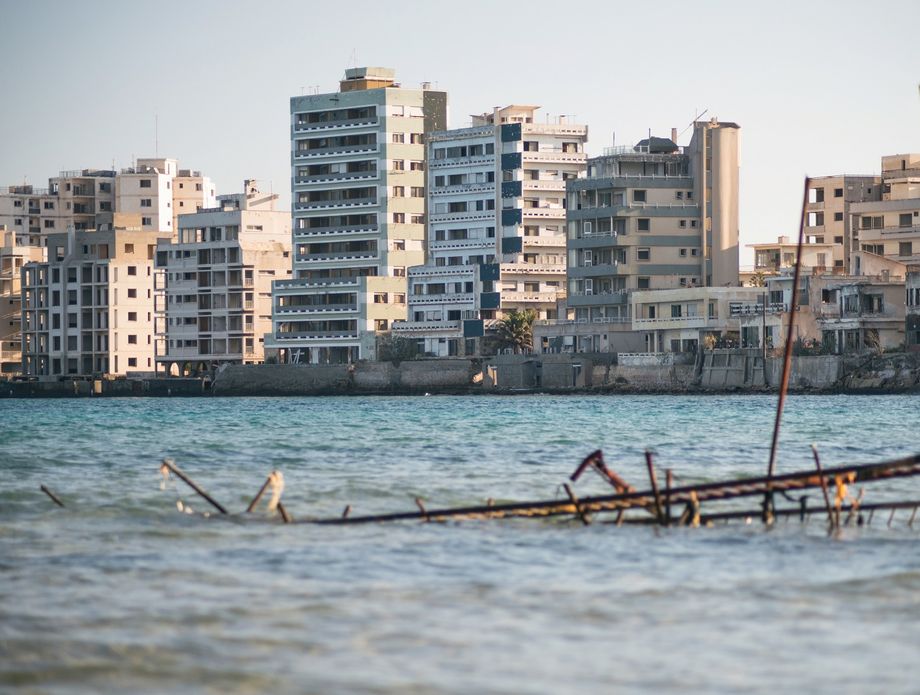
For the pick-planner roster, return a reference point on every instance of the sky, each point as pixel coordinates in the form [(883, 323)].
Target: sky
[(818, 88)]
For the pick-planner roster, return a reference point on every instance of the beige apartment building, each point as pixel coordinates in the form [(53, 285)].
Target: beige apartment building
[(83, 199), (13, 256), (890, 227), (88, 308), (155, 189), (771, 259), (213, 298), (828, 218)]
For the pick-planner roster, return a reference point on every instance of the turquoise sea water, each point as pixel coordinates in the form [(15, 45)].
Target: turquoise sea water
[(122, 592)]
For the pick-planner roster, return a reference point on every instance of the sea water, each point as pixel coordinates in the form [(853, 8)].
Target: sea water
[(122, 591)]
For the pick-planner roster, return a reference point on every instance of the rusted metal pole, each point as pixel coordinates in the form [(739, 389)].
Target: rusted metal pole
[(54, 498), (574, 500), (654, 483), (284, 513), (255, 500), (668, 482), (827, 499), (171, 466), (787, 354)]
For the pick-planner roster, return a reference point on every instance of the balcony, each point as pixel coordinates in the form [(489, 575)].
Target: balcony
[(316, 335), (739, 310), (554, 157), (337, 178), (672, 322), (301, 309), (370, 121), (331, 204), (305, 286), (352, 230), (336, 257), (337, 151), (533, 268), (426, 326), (541, 297), (452, 298)]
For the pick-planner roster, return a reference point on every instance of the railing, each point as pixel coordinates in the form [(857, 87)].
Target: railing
[(536, 268), (897, 229), (317, 335), (327, 231), (444, 298), (629, 149), (545, 297), (426, 326), (306, 126), (696, 320), (310, 284), (340, 256), (573, 322), (315, 309), (343, 203), (757, 309), (349, 176), (343, 149)]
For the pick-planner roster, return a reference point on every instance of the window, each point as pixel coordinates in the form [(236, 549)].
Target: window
[(132, 361), (398, 137), (838, 217), (816, 195), (676, 308), (639, 197), (399, 244), (49, 224), (643, 224), (694, 252), (399, 165), (380, 297), (132, 270), (48, 205), (132, 340), (642, 283), (838, 193), (905, 219), (145, 202), (399, 272), (399, 217), (416, 138), (417, 219), (683, 253), (816, 219), (643, 253), (380, 324), (71, 297), (145, 183), (399, 298), (418, 192), (679, 195), (416, 166), (146, 221), (129, 248), (132, 316), (399, 191), (838, 239), (132, 293), (905, 248), (682, 224)]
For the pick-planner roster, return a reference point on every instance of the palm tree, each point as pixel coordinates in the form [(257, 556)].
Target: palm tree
[(515, 330)]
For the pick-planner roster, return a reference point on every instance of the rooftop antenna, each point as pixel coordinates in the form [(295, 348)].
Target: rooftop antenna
[(697, 117)]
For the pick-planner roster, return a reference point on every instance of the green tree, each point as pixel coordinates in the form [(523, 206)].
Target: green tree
[(515, 330)]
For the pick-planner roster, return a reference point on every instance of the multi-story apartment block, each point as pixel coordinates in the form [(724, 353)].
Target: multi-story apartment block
[(890, 226), (158, 191), (80, 199), (770, 259), (87, 199), (496, 226), (654, 216), (13, 256), (681, 320), (88, 308), (828, 218), (912, 318), (213, 297), (842, 313), (358, 193)]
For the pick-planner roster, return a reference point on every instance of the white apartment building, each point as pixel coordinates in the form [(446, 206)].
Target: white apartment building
[(88, 308), (158, 191), (13, 256), (890, 227), (496, 226), (213, 298), (358, 196)]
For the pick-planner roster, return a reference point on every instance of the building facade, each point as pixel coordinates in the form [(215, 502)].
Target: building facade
[(158, 191), (890, 226), (88, 308), (912, 309), (828, 218), (213, 284), (654, 216), (358, 196), (13, 256), (496, 226)]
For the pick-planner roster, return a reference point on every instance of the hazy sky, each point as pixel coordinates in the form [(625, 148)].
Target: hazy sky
[(817, 87)]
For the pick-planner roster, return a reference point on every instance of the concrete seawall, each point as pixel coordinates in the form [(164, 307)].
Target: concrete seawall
[(717, 371)]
